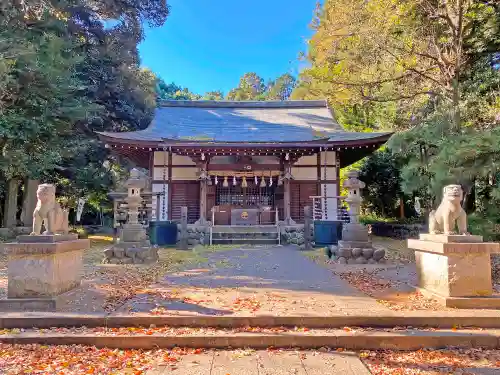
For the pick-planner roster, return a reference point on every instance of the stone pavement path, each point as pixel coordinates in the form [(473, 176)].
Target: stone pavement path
[(249, 362), (253, 281)]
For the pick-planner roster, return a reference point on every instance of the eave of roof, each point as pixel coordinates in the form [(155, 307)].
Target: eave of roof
[(262, 124)]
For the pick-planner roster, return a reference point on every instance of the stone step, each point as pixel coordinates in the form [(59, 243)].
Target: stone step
[(244, 229), (431, 319), (348, 338), (242, 241)]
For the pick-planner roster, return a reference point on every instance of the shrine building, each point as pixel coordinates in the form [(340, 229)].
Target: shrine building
[(244, 163)]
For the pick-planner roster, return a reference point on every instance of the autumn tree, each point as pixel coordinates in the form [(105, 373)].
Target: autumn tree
[(281, 88), (213, 95), (251, 87)]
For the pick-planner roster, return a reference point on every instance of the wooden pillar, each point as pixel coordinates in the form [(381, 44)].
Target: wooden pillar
[(203, 202), (183, 243), (307, 227), (10, 209), (286, 194), (29, 201), (158, 206), (203, 193)]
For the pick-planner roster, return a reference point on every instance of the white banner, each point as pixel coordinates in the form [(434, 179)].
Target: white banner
[(79, 209)]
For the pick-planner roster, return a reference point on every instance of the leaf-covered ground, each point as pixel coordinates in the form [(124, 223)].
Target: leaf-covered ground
[(106, 287), (432, 362), (390, 284), (81, 360)]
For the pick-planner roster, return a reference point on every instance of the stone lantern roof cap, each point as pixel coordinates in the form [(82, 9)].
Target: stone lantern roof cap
[(352, 181), (136, 180)]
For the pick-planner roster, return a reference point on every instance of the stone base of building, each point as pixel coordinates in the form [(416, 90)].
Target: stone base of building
[(294, 235), (454, 266), (44, 269), (196, 234)]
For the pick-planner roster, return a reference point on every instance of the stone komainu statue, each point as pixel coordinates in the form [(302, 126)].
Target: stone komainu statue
[(450, 213), (49, 212)]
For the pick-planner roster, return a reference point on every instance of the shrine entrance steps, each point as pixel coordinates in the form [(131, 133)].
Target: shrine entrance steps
[(240, 234), (387, 331)]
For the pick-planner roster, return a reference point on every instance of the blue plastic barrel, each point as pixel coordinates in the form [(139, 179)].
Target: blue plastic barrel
[(327, 232), (162, 233)]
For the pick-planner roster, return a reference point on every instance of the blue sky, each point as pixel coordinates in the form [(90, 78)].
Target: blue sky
[(207, 45)]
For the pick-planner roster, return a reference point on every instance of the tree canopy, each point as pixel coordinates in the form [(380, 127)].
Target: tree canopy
[(67, 73), (425, 68)]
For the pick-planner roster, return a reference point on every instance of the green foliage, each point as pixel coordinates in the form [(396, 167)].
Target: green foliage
[(43, 100), (65, 74), (213, 95), (251, 87), (281, 88), (486, 225), (422, 67), (172, 91), (381, 174)]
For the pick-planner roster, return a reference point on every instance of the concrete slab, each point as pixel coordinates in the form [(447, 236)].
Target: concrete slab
[(280, 363), (346, 363), (192, 364), (240, 362)]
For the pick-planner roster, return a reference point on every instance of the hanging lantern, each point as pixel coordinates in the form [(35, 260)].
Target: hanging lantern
[(244, 182), (256, 181), (225, 183), (216, 180), (287, 156), (234, 180), (262, 182)]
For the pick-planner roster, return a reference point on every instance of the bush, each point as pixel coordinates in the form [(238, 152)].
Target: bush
[(82, 232), (483, 225), (371, 219)]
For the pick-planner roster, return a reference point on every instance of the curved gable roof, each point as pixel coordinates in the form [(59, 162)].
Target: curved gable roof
[(234, 122)]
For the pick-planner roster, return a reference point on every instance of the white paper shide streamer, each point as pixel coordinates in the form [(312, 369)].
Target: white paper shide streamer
[(79, 208)]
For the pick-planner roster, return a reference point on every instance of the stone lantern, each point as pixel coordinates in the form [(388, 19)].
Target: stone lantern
[(355, 246), (134, 184), (354, 186), (133, 246)]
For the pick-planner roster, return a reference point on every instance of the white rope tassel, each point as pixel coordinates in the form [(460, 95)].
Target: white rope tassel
[(216, 180), (202, 156), (256, 181), (263, 182), (287, 156), (270, 181), (234, 180)]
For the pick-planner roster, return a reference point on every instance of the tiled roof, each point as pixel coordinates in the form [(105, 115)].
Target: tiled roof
[(213, 121)]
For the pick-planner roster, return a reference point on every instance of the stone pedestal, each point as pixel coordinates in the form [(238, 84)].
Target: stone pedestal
[(133, 247), (40, 268), (456, 269)]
